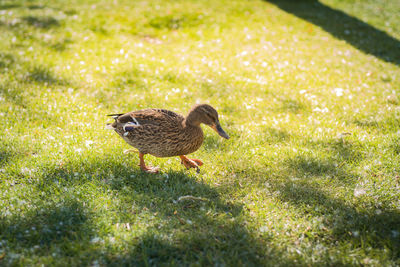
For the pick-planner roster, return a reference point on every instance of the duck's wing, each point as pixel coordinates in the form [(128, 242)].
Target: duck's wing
[(149, 117), (153, 116)]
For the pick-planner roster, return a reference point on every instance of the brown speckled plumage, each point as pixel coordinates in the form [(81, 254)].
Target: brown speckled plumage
[(163, 133)]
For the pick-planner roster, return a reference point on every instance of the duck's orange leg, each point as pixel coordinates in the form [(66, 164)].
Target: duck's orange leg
[(145, 168), (191, 163)]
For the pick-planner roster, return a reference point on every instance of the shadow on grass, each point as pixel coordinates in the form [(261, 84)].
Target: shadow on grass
[(14, 91), (6, 60), (307, 182), (32, 26), (206, 231), (359, 34), (47, 225), (44, 22), (342, 221), (41, 74), (275, 135), (341, 152), (176, 21), (5, 156), (33, 7), (292, 106), (384, 125), (11, 151), (61, 45), (355, 226), (334, 167), (313, 166), (190, 231), (21, 70), (8, 6)]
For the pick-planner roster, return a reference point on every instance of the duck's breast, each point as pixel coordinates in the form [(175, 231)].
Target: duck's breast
[(182, 142)]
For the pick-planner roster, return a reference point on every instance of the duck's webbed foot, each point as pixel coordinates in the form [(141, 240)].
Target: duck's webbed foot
[(145, 168), (191, 163)]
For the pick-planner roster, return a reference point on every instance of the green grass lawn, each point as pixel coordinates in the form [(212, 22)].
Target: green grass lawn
[(309, 92)]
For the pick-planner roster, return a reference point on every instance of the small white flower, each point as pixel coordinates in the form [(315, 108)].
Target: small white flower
[(395, 233), (13, 255), (88, 143), (342, 135), (359, 192), (26, 171), (95, 240), (338, 91)]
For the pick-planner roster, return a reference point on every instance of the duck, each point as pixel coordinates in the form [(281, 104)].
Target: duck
[(164, 133)]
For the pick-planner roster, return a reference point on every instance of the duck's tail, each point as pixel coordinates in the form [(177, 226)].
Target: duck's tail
[(112, 126)]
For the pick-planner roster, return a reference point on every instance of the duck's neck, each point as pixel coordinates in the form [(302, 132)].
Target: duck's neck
[(192, 120)]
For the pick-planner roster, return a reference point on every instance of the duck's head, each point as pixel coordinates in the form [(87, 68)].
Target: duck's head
[(206, 114)]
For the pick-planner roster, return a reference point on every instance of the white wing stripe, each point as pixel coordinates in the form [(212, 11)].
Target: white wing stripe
[(136, 122), (131, 123)]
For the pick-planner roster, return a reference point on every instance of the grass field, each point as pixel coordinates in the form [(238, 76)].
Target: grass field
[(309, 92)]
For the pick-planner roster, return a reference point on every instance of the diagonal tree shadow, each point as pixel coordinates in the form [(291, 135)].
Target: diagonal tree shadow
[(359, 34)]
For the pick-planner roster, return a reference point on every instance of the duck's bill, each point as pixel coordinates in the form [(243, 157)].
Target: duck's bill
[(220, 131)]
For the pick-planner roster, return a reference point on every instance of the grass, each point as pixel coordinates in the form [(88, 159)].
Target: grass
[(290, 80)]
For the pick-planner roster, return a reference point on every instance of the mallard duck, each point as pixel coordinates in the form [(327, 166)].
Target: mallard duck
[(163, 133)]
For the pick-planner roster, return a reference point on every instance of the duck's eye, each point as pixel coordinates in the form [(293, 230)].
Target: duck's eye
[(210, 117)]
